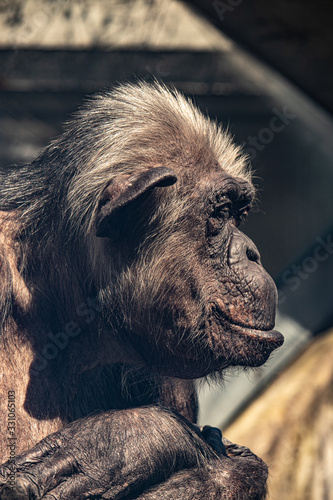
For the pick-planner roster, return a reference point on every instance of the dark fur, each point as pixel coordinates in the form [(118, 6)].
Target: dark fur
[(123, 268)]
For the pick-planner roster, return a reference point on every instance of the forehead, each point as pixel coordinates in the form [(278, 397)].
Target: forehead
[(215, 181)]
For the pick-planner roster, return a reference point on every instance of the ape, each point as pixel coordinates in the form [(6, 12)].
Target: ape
[(123, 277)]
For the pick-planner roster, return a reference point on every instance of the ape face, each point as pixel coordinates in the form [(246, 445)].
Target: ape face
[(194, 296)]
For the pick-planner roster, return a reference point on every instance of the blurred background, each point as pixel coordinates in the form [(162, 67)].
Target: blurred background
[(265, 70)]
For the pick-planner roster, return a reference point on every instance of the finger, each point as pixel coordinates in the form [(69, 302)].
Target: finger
[(43, 449), (15, 486), (21, 490), (35, 479), (76, 487), (17, 477), (213, 436), (236, 450), (32, 456)]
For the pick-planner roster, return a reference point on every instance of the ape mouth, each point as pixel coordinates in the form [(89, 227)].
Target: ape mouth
[(264, 334), (270, 336)]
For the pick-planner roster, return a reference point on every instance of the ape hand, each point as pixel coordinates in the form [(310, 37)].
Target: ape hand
[(146, 452), (108, 455)]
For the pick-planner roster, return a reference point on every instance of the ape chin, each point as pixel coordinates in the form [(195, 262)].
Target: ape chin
[(125, 275)]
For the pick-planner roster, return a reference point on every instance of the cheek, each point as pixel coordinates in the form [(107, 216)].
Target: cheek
[(161, 292)]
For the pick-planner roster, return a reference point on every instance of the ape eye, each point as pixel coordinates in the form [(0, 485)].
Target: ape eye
[(222, 210), (242, 214)]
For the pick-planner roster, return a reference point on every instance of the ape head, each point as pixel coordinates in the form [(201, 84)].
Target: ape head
[(152, 199), (177, 278), (202, 300)]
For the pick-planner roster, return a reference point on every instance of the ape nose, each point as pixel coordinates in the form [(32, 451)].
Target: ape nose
[(242, 249), (252, 254)]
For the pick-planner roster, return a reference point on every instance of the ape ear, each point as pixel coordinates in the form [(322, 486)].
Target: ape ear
[(126, 188)]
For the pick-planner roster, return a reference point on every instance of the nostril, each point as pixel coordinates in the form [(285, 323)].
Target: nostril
[(252, 255), (242, 250)]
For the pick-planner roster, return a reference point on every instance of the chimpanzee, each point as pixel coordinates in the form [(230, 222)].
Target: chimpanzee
[(124, 277)]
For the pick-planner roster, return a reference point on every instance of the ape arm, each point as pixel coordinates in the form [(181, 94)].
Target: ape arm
[(120, 454)]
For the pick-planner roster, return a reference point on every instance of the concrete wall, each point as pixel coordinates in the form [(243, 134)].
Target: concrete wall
[(153, 24)]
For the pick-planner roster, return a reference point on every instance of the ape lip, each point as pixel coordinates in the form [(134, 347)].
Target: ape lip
[(269, 334)]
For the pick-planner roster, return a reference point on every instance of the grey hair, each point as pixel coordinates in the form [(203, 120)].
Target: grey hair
[(136, 126), (120, 131)]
